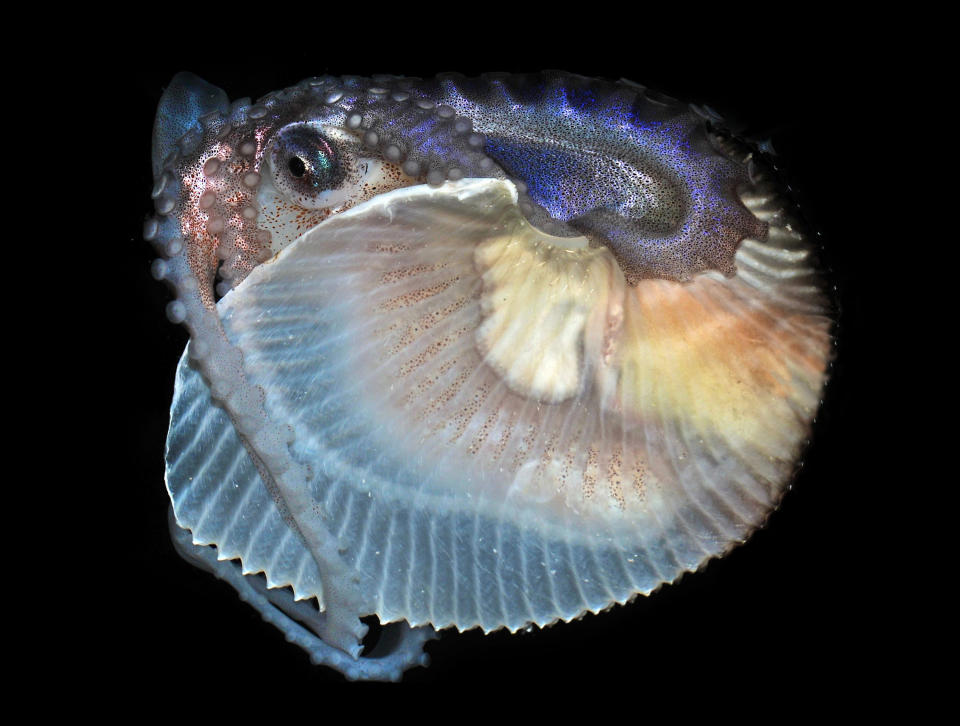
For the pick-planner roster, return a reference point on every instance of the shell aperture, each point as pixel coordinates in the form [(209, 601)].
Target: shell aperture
[(527, 347)]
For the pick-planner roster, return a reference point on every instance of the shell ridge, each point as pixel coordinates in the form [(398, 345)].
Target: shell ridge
[(191, 492)]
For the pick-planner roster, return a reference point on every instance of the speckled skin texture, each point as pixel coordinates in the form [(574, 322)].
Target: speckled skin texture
[(636, 172)]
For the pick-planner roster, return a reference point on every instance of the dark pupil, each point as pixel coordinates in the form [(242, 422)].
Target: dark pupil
[(297, 167)]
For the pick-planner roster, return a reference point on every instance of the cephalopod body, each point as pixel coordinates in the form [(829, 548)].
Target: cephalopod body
[(473, 352)]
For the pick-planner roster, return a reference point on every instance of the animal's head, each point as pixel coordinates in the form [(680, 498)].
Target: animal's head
[(236, 183)]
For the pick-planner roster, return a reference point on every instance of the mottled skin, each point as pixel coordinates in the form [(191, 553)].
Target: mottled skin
[(605, 160), (639, 175)]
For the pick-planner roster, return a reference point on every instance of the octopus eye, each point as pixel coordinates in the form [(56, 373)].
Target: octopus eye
[(305, 165), (298, 167)]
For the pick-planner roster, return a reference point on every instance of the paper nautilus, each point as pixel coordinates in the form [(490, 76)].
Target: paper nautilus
[(473, 352)]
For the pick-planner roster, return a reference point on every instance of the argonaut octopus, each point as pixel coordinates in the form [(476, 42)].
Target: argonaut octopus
[(473, 352)]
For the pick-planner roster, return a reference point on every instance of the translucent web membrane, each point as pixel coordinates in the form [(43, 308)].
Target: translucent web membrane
[(498, 430)]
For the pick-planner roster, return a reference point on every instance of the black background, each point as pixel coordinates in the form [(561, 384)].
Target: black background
[(793, 605)]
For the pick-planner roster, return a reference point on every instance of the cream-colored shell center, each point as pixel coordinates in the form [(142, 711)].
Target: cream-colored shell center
[(546, 310)]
